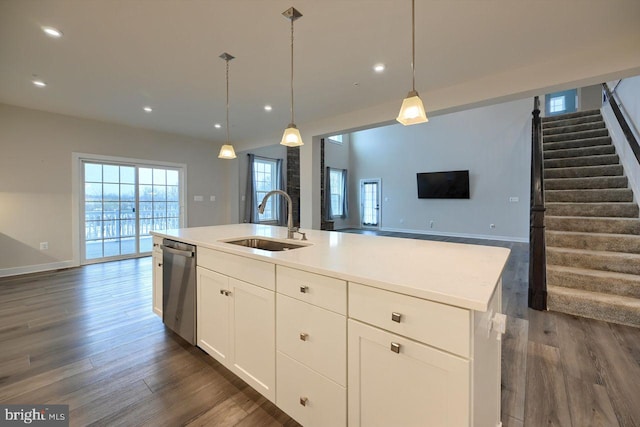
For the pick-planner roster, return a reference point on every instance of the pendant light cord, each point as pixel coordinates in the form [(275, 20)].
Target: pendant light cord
[(413, 43), (227, 101), (292, 121)]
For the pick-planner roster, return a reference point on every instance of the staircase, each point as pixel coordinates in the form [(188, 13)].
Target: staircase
[(592, 225)]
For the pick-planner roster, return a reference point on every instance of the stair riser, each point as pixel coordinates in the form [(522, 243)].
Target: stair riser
[(623, 243), (546, 131), (572, 122), (572, 162), (579, 143), (615, 286), (598, 150), (593, 310), (593, 225), (621, 263), (568, 116), (619, 210), (576, 135), (585, 183), (584, 172), (589, 196)]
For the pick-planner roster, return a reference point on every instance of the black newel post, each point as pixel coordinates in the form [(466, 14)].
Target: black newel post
[(537, 247)]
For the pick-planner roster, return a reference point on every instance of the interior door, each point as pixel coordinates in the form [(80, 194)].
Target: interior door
[(370, 203)]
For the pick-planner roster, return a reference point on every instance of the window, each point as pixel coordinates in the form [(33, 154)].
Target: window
[(336, 189), (557, 104), (336, 139), (265, 178), (122, 202)]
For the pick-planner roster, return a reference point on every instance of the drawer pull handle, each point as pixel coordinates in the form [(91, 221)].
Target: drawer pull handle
[(303, 336), (225, 292), (304, 289), (396, 317), (303, 401), (395, 347)]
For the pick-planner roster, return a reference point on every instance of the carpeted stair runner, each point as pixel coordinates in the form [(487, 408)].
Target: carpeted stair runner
[(592, 222)]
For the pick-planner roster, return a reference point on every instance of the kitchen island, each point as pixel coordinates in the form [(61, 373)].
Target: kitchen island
[(354, 329)]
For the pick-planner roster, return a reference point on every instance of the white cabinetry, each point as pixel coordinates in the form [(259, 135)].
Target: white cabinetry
[(156, 274), (414, 362), (312, 354), (236, 319)]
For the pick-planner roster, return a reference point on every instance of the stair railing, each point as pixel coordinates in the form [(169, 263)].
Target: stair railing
[(537, 247), (624, 125)]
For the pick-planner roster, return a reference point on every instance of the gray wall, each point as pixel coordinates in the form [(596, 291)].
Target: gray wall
[(492, 142), (36, 179), (590, 98)]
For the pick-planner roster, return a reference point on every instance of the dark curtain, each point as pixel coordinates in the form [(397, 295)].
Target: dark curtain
[(250, 203), (281, 205)]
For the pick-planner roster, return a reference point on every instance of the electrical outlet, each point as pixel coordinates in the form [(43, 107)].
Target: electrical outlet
[(212, 198), (401, 220), (514, 199), (492, 226), (44, 246)]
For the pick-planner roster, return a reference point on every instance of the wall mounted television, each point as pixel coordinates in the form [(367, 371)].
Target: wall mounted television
[(443, 185)]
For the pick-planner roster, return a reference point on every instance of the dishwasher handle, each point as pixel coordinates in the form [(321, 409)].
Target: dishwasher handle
[(187, 254)]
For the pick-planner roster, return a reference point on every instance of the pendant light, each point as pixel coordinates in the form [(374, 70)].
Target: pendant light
[(291, 136), (412, 111), (227, 151)]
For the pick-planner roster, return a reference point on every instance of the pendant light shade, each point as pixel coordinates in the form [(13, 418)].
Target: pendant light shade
[(226, 151), (291, 136), (412, 110)]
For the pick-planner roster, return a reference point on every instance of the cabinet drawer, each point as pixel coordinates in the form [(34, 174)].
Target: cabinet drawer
[(326, 401), (313, 336), (323, 291), (249, 270), (436, 324)]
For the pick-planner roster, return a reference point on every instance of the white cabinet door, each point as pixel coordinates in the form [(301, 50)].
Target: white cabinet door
[(416, 386), (213, 309), (156, 273), (252, 337)]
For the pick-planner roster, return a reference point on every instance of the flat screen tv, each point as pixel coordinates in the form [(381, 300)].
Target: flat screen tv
[(443, 185)]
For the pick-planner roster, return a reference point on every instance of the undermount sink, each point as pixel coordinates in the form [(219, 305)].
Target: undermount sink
[(265, 244)]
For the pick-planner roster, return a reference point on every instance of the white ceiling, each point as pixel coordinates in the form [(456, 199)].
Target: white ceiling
[(118, 56)]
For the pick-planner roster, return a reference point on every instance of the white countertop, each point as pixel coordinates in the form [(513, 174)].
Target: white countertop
[(457, 274)]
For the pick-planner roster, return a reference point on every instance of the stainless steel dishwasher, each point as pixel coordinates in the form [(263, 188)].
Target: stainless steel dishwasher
[(179, 288)]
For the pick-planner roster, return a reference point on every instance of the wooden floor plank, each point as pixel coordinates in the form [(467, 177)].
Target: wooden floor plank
[(589, 404), (547, 403), (514, 373)]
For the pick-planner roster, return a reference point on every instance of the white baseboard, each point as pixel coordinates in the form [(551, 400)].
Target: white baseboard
[(14, 271), (463, 235)]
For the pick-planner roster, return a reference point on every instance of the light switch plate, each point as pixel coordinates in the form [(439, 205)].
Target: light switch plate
[(198, 198)]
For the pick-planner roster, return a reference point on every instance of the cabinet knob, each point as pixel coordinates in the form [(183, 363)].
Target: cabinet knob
[(303, 336), (396, 317), (395, 347), (159, 264), (303, 401), (304, 289)]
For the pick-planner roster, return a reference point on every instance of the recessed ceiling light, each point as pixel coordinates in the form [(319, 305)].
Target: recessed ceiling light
[(38, 83), (268, 108), (52, 32), (378, 68), (217, 126), (148, 109)]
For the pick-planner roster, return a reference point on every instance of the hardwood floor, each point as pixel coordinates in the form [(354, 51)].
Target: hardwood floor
[(86, 337)]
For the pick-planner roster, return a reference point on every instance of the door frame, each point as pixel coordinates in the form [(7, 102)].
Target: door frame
[(361, 203), (77, 204)]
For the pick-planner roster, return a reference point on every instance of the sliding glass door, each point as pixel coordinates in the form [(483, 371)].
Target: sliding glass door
[(122, 203)]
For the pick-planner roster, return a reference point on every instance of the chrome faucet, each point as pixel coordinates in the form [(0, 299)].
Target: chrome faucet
[(291, 230)]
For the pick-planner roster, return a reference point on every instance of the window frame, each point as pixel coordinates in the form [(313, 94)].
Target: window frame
[(337, 190), (273, 204)]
